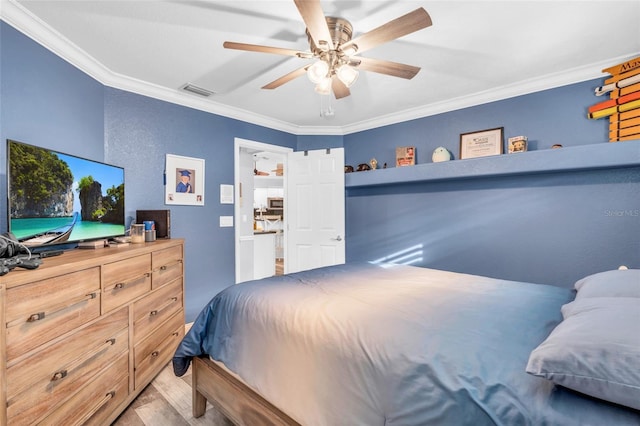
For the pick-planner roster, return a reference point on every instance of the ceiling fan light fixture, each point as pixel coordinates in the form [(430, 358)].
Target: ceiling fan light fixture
[(323, 45), (350, 50), (323, 87), (347, 74), (318, 71), (334, 49)]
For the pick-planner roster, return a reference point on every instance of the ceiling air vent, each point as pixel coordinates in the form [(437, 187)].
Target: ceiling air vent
[(197, 90)]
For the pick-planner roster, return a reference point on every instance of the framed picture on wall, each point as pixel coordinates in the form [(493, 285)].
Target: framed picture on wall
[(482, 143), (184, 180)]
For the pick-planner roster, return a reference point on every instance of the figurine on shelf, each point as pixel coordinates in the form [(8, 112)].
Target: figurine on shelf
[(374, 163), (440, 154)]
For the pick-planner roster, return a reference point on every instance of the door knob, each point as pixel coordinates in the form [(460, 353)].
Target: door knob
[(337, 239)]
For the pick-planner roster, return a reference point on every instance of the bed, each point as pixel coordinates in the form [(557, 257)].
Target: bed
[(378, 344)]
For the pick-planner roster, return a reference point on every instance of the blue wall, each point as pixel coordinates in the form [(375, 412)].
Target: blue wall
[(139, 132), (544, 228), (47, 102), (548, 228), (552, 228), (546, 118)]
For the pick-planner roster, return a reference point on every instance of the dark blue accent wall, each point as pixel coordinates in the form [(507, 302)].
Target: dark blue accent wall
[(549, 228)]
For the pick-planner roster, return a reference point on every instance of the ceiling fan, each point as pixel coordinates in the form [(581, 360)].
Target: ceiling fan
[(337, 54)]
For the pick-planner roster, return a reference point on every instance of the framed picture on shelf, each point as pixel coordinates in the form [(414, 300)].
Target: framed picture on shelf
[(517, 144), (482, 143), (405, 156), (184, 180)]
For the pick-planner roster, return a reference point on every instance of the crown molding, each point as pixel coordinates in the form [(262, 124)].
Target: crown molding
[(24, 21), (549, 81), (33, 27)]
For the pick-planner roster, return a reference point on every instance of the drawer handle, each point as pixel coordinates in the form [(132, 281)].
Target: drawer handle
[(163, 307), (108, 397), (54, 309), (36, 317), (59, 375), (165, 267), (120, 286), (175, 334), (155, 354)]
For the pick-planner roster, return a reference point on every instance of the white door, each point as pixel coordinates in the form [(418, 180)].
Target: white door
[(314, 207)]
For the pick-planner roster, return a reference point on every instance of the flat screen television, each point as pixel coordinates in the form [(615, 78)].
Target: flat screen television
[(58, 199)]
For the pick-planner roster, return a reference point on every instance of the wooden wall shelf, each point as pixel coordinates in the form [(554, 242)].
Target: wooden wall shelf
[(584, 157)]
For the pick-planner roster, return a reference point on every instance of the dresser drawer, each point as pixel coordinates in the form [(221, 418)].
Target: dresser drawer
[(125, 280), (35, 385), (153, 353), (95, 402), (43, 310), (152, 310), (166, 265)]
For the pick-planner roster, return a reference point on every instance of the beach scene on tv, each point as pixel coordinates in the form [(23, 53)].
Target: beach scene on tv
[(56, 198)]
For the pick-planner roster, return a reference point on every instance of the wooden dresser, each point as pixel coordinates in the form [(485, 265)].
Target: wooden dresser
[(84, 333)]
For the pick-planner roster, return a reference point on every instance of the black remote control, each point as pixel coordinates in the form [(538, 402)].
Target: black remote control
[(31, 263), (50, 253)]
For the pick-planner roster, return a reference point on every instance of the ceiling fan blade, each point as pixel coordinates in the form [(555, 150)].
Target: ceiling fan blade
[(394, 69), (316, 23), (286, 78), (339, 89), (399, 27), (265, 49)]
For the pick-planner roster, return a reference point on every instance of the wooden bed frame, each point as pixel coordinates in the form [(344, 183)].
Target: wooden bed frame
[(233, 398)]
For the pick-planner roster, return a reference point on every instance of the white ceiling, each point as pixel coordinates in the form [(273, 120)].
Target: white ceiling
[(475, 52)]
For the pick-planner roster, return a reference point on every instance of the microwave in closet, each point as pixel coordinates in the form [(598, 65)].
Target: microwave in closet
[(275, 203)]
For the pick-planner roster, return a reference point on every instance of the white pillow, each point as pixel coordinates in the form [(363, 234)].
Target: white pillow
[(595, 350), (618, 283)]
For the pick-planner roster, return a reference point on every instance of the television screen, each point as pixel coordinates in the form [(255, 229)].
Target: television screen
[(56, 198)]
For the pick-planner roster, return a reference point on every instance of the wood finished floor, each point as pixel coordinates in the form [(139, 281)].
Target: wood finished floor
[(167, 402)]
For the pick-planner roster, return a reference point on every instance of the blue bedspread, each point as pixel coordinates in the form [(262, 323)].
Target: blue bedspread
[(364, 344)]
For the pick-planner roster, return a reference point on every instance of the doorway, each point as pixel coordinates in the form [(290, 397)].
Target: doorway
[(260, 190)]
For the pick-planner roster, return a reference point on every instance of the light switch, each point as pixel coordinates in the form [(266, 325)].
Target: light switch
[(226, 221)]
